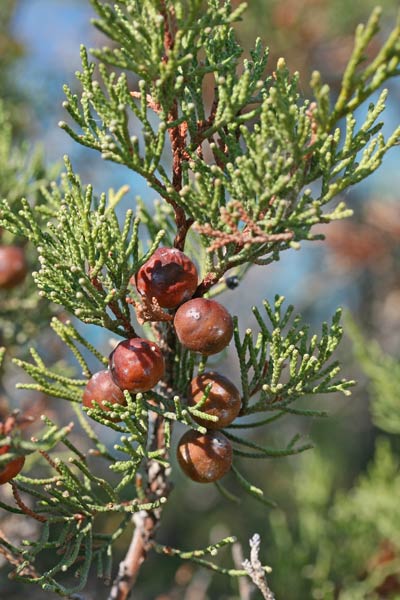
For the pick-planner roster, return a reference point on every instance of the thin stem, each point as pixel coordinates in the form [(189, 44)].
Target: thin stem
[(28, 511), (146, 522), (177, 136)]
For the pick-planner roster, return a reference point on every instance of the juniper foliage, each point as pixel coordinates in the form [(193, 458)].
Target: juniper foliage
[(363, 521), (240, 181)]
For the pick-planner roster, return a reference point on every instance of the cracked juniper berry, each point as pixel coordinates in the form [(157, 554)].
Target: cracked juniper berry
[(169, 276)]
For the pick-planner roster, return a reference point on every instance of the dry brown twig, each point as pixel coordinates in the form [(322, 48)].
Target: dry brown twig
[(149, 310), (25, 509), (251, 234), (255, 569), (146, 522)]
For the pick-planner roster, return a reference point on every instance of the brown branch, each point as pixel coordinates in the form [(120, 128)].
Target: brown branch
[(177, 135), (255, 570), (168, 32), (251, 234), (25, 509), (208, 282), (48, 458), (136, 555), (146, 522)]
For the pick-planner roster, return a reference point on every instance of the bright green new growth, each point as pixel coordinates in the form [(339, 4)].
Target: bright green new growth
[(242, 180)]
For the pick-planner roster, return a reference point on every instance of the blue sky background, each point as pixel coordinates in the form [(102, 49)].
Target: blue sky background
[(51, 32)]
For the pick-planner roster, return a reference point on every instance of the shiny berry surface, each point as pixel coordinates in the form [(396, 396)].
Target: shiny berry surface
[(101, 388), (13, 267), (11, 469), (169, 276), (223, 400), (137, 365), (203, 326), (204, 458)]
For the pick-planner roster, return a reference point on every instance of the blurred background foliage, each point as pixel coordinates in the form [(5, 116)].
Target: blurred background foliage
[(11, 49), (336, 530)]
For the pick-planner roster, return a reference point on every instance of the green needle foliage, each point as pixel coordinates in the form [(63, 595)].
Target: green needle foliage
[(86, 258), (363, 522), (241, 178)]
